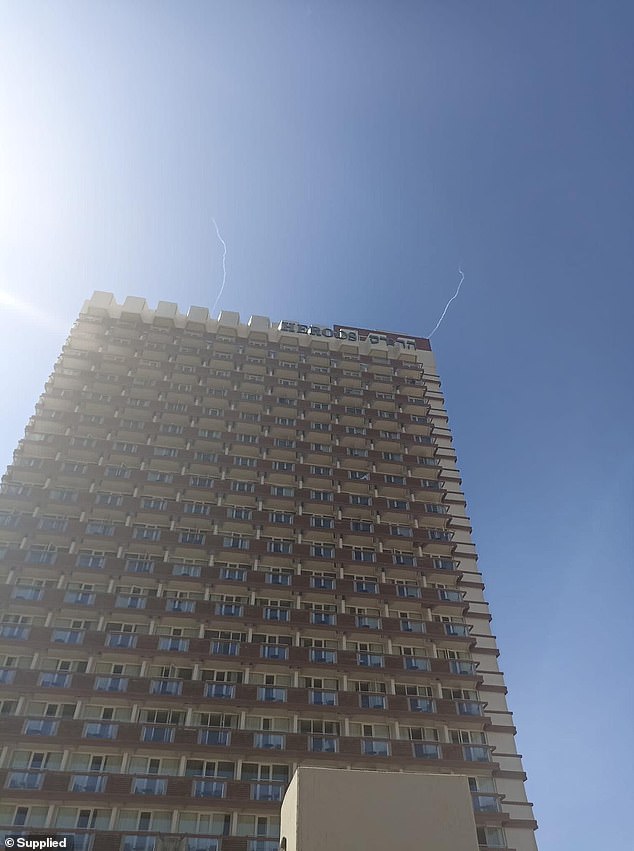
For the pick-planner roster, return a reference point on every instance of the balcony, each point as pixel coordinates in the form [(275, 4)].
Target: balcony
[(87, 783)]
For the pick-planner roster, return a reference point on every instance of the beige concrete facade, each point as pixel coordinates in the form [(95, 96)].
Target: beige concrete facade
[(375, 811)]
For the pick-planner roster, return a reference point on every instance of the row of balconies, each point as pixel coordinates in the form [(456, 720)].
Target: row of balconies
[(222, 696), (244, 488), (233, 793), (240, 389), (113, 512), (383, 475), (53, 599), (239, 579), (135, 644), (172, 738), (219, 410), (77, 374), (40, 588), (406, 453), (243, 536)]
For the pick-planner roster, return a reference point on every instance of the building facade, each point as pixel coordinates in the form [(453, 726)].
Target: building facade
[(227, 550)]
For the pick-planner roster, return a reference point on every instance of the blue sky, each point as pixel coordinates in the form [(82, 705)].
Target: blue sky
[(354, 155)]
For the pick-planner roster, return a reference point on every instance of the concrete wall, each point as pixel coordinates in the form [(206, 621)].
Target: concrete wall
[(343, 810)]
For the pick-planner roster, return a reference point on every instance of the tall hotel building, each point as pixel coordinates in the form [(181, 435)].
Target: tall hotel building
[(228, 550)]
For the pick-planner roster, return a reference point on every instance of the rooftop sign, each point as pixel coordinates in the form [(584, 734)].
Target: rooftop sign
[(356, 335)]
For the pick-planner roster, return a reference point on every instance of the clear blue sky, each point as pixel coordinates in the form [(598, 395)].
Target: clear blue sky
[(354, 154)]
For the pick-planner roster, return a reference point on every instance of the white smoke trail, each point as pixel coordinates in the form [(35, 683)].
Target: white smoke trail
[(455, 295), (224, 267)]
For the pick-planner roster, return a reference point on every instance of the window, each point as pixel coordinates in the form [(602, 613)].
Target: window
[(375, 747), (235, 542), (273, 651), (166, 686), (68, 636), (111, 684), (326, 583), (422, 704), (491, 837), (54, 679), (323, 618), (41, 727), (41, 555), (186, 569), (279, 546), (235, 574), (476, 753), (266, 791), (318, 522), (276, 614), (121, 639), (367, 622), (398, 504), (360, 499), (161, 478), (457, 629), (321, 656), (190, 536), (269, 741), (406, 559), (323, 698), (283, 466), (234, 513), (426, 750), (244, 461), (220, 690), (100, 730), (27, 592), (361, 526), (209, 789), (322, 551), (229, 609), (278, 578), (225, 648), (271, 694), (146, 533), (370, 660), (323, 744), (87, 783), (320, 471), (364, 586), (411, 592), (24, 780), (444, 564), (321, 496), (283, 517), (360, 554), (168, 642), (372, 701), (153, 504), (157, 734), (139, 565), (466, 668), (278, 490), (416, 663), (201, 482), (149, 786), (214, 737)]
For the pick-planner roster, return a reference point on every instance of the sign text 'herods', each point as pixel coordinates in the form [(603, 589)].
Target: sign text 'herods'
[(355, 335)]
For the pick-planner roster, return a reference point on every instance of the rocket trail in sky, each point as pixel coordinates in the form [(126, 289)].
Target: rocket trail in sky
[(224, 267), (455, 295)]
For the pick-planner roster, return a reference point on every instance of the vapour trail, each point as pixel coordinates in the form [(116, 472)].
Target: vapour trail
[(224, 267), (455, 295)]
